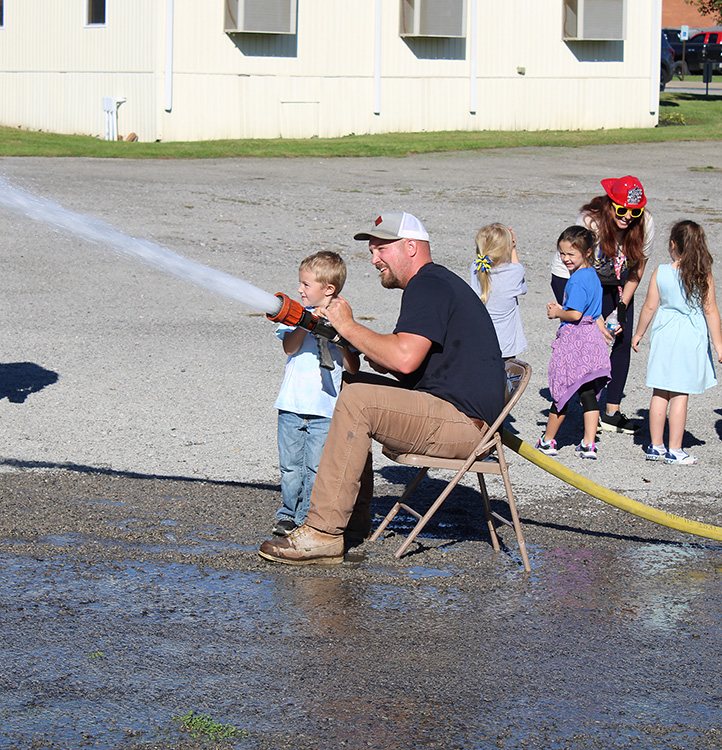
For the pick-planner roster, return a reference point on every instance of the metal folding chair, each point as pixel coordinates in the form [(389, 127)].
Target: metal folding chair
[(489, 447)]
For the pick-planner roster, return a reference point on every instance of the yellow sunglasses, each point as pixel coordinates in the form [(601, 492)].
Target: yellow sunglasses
[(622, 211)]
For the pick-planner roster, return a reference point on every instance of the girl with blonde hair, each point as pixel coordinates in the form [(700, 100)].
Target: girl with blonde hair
[(498, 278)]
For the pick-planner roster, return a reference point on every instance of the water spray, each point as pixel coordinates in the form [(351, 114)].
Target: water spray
[(279, 307)]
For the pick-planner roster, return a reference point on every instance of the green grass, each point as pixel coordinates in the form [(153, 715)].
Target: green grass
[(697, 78), (208, 728), (695, 117)]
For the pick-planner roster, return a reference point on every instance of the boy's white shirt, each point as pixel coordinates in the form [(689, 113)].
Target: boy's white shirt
[(307, 388)]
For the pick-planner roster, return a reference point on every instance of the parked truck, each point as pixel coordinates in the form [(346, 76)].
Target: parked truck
[(702, 47)]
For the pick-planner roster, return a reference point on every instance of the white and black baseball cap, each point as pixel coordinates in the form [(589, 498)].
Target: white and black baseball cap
[(395, 225)]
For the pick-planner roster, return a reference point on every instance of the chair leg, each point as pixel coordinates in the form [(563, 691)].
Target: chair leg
[(430, 512), (390, 516), (512, 508), (489, 517)]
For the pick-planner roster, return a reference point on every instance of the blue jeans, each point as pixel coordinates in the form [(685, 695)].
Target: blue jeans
[(301, 438)]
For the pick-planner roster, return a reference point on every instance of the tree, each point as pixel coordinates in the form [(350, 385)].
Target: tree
[(708, 8)]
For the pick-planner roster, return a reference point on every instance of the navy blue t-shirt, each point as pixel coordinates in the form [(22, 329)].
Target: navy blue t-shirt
[(464, 365)]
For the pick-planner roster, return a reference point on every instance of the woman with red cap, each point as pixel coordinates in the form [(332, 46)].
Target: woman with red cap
[(625, 234)]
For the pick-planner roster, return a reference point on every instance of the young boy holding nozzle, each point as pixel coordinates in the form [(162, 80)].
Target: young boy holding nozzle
[(309, 391)]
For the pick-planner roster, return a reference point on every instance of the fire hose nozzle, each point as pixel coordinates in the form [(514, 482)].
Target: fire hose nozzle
[(292, 313), (289, 313)]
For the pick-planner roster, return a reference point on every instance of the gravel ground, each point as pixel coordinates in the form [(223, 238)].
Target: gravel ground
[(139, 474), (156, 376)]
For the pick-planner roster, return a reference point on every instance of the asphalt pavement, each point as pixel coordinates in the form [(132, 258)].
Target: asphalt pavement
[(139, 476)]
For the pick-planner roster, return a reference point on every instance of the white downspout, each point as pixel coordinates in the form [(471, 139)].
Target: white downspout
[(656, 53), (168, 55), (377, 60), (472, 59)]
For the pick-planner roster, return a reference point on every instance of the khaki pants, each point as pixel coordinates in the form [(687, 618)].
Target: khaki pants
[(404, 421)]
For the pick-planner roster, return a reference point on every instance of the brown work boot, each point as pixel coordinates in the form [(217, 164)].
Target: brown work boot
[(305, 546)]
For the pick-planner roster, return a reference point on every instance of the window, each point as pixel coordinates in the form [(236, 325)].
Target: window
[(260, 16), (445, 18), (594, 19), (96, 12)]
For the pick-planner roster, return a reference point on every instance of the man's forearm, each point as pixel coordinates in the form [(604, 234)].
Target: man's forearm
[(398, 353)]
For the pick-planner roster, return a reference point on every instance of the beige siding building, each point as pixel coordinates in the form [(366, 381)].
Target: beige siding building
[(208, 69)]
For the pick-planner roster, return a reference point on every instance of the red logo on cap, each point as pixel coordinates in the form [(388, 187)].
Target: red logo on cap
[(378, 221)]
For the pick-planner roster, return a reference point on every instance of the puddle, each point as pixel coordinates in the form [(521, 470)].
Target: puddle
[(596, 649)]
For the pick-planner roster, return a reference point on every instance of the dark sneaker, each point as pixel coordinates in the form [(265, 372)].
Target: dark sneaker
[(586, 450), (654, 455), (304, 546), (617, 422), (284, 526)]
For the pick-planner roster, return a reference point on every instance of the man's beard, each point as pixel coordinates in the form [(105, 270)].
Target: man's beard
[(389, 280)]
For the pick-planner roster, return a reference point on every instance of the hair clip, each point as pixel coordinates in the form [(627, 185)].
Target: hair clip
[(482, 263)]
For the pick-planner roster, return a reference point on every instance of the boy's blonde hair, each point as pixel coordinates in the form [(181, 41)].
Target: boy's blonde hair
[(327, 267), (493, 247)]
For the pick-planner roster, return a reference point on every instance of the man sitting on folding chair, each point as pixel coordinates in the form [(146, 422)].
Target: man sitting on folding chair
[(445, 355)]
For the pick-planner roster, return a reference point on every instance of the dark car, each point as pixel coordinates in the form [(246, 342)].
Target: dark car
[(672, 35), (667, 63)]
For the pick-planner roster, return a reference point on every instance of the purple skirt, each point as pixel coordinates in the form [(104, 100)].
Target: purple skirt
[(579, 355)]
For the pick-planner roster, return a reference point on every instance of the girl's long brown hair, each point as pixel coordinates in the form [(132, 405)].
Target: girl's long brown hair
[(601, 210), (695, 259)]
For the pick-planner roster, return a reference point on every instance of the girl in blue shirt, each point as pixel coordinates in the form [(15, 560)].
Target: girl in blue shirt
[(580, 360)]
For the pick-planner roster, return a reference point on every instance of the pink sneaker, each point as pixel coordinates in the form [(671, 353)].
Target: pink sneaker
[(586, 450), (548, 447)]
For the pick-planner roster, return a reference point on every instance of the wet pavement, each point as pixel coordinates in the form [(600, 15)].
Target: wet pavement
[(137, 600), (138, 476)]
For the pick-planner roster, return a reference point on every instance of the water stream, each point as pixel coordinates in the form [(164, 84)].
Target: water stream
[(98, 232)]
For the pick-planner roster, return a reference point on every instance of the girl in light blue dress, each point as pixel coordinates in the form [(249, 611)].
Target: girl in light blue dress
[(681, 299)]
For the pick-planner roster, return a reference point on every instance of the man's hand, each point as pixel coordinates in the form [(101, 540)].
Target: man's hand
[(339, 314), (393, 352)]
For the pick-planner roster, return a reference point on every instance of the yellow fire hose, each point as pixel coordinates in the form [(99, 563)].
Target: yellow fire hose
[(608, 496)]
